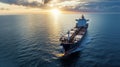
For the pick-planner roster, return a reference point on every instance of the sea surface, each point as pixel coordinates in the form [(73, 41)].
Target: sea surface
[(32, 40)]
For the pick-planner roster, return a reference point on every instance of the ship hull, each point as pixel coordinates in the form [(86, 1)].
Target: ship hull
[(72, 48)]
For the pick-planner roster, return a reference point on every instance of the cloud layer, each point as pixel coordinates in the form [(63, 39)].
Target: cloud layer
[(91, 5), (74, 5), (32, 3)]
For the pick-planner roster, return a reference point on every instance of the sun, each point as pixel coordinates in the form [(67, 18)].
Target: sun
[(55, 11)]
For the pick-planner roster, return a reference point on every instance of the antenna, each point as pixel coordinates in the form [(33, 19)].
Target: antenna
[(83, 16), (68, 35)]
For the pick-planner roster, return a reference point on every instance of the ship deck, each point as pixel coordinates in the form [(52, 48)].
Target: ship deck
[(76, 35)]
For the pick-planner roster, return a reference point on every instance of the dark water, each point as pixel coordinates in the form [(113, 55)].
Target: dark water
[(33, 40)]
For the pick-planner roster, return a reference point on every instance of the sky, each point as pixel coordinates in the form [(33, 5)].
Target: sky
[(69, 5)]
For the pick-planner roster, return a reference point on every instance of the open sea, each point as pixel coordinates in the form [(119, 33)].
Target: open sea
[(32, 40)]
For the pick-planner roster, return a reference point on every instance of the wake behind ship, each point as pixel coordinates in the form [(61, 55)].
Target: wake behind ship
[(71, 41)]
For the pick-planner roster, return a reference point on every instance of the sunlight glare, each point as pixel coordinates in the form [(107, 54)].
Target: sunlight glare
[(55, 11)]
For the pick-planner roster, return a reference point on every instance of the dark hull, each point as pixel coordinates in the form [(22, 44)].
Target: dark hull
[(72, 48)]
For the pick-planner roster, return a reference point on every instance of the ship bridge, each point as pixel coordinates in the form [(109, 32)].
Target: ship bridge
[(81, 22)]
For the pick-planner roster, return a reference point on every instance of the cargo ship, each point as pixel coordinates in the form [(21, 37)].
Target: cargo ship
[(70, 42)]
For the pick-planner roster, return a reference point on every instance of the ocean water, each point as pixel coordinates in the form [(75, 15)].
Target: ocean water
[(33, 40)]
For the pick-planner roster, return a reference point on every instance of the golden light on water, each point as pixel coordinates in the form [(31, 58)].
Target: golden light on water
[(55, 13), (59, 55)]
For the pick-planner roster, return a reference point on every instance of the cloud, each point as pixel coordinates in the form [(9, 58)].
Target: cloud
[(91, 5), (32, 3), (73, 5)]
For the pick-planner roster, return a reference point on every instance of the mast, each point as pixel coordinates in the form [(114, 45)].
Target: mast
[(83, 17), (68, 35)]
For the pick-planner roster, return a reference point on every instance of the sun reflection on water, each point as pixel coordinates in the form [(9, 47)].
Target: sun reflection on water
[(54, 23)]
